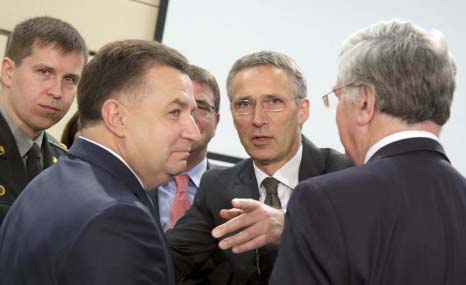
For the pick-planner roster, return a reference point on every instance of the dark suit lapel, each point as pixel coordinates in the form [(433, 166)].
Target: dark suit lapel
[(312, 162), (245, 184), (103, 159), (409, 145), (12, 167)]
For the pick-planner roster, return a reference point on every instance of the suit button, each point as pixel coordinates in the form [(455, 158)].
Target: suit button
[(2, 190)]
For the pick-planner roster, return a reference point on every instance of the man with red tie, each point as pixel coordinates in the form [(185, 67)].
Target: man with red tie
[(176, 196)]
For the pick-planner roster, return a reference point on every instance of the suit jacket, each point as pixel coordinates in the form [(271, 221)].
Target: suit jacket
[(191, 241), (85, 221), (13, 174), (399, 219)]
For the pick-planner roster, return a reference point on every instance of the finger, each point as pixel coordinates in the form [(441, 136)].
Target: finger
[(253, 244), (269, 224), (230, 213), (244, 236), (247, 205), (242, 221)]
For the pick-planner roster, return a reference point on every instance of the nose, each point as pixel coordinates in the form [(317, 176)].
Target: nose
[(258, 116), (55, 88), (191, 130)]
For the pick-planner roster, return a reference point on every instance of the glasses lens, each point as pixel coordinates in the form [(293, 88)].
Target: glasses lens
[(274, 104), (330, 101), (203, 109), (199, 112), (243, 106)]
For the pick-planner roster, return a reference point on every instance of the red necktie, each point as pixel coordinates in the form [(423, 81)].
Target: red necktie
[(180, 203)]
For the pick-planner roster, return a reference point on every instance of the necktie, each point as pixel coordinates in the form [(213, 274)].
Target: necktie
[(271, 194), (180, 203), (33, 162), (266, 255)]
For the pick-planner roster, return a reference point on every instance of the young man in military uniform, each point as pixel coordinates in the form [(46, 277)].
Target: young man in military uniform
[(39, 76)]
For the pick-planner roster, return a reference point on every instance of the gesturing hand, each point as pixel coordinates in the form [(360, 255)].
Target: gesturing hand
[(260, 225)]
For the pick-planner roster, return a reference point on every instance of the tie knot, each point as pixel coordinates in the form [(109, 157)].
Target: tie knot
[(34, 151), (270, 184), (182, 182)]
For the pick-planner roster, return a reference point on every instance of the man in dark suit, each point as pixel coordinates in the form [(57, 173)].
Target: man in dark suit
[(40, 75), (88, 220), (399, 217), (267, 91)]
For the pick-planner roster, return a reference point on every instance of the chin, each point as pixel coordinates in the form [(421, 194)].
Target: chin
[(177, 169), (258, 154)]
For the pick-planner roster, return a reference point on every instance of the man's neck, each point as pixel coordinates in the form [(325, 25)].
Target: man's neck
[(195, 157)]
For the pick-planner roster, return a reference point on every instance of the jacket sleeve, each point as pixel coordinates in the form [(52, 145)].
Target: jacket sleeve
[(121, 245)]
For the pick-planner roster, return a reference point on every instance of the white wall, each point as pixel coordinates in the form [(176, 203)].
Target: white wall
[(213, 34)]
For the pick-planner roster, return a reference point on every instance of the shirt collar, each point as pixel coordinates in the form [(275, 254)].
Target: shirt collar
[(23, 142), (117, 156), (288, 174), (397, 137), (195, 173)]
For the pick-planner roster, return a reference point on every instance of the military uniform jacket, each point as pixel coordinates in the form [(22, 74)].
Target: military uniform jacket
[(13, 175)]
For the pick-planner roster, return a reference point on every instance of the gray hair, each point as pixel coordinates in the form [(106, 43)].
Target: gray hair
[(275, 59), (409, 69)]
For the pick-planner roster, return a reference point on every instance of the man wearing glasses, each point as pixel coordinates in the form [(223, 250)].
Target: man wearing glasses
[(399, 217), (176, 196), (267, 91)]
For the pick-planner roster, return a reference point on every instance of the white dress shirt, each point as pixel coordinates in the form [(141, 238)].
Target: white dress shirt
[(287, 175)]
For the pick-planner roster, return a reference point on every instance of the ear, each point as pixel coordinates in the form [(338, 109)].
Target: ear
[(114, 117), (303, 111), (366, 105), (8, 68), (217, 118)]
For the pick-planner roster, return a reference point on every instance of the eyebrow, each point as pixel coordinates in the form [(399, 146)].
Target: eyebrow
[(48, 67), (243, 98), (43, 65), (181, 103), (203, 102)]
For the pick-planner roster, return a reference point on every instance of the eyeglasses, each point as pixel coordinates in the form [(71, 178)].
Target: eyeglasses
[(242, 107), (331, 99), (203, 110)]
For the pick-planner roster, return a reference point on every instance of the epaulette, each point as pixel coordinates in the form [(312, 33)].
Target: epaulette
[(56, 143)]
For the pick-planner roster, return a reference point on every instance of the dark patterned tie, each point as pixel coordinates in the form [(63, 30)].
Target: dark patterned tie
[(33, 162), (266, 255), (271, 194)]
